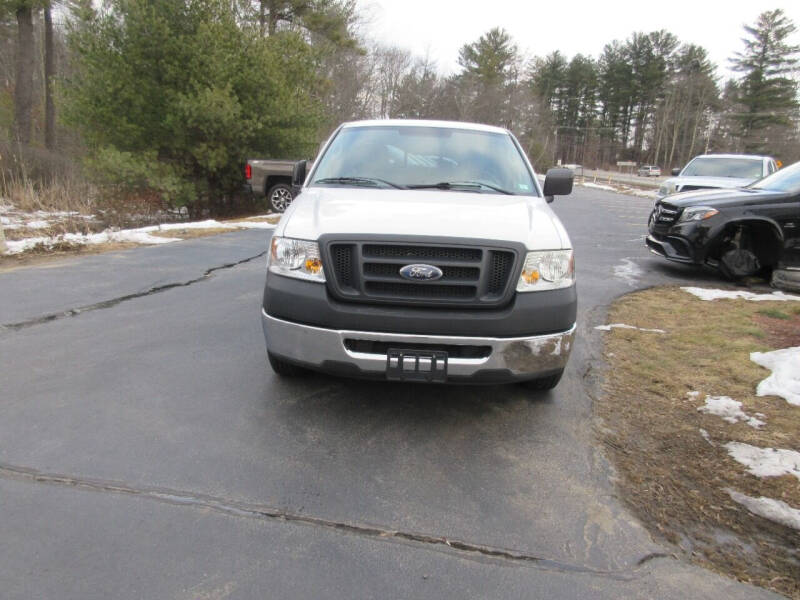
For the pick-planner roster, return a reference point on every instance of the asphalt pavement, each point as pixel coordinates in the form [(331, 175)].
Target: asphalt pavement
[(148, 451)]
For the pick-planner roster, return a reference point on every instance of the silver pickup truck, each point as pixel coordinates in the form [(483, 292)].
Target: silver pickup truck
[(422, 251), (271, 179)]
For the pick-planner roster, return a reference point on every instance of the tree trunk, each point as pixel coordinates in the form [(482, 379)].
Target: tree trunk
[(262, 17), (23, 87), (273, 16), (49, 76)]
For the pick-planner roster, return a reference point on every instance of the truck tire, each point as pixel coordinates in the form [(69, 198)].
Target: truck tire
[(283, 368), (280, 197), (543, 384)]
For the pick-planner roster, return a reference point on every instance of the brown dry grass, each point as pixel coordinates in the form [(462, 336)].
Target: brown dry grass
[(670, 476)]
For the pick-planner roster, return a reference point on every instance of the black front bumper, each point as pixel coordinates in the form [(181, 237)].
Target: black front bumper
[(530, 313)]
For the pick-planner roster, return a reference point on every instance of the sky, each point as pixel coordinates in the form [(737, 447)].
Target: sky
[(440, 27)]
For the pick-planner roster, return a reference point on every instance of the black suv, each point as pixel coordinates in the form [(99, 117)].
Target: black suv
[(741, 232)]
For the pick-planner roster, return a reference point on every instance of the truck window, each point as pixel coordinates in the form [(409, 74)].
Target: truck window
[(408, 156)]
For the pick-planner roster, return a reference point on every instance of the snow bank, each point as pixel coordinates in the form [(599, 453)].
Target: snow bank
[(785, 378), (611, 326), (712, 294), (80, 239), (774, 510), (599, 186), (765, 462), (729, 409), (641, 193), (140, 235)]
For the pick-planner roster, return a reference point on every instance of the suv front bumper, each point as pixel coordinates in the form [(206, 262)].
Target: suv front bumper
[(507, 359)]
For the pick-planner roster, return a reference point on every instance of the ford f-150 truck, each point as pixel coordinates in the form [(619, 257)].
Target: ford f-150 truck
[(422, 251)]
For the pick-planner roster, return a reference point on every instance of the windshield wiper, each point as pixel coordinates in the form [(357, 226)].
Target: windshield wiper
[(373, 181), (451, 185)]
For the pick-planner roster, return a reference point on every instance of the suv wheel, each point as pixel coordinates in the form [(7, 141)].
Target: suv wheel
[(283, 368), (543, 383), (280, 197)]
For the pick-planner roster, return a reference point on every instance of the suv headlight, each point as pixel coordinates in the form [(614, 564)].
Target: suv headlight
[(697, 213), (295, 258), (547, 270)]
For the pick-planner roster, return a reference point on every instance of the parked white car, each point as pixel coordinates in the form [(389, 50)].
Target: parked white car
[(710, 171), (422, 251), (649, 171)]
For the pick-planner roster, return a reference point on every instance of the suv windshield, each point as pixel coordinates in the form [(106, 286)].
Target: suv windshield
[(420, 157), (746, 168), (785, 180)]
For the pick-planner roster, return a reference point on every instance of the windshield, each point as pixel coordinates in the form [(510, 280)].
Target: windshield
[(386, 157), (785, 180), (745, 168)]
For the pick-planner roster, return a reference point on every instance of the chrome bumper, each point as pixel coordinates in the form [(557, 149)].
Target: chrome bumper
[(521, 358)]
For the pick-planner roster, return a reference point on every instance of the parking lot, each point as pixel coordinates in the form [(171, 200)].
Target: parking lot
[(148, 451)]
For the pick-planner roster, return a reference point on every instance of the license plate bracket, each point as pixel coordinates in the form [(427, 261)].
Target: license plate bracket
[(404, 364)]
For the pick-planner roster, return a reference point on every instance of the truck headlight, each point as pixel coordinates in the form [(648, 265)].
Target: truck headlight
[(697, 213), (295, 258), (547, 270)]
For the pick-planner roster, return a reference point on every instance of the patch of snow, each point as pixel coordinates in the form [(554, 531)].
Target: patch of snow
[(58, 213), (599, 186), (765, 462), (693, 394), (641, 193), (712, 294), (37, 224), (729, 409), (774, 510), (254, 225), (207, 224), (704, 434), (140, 235), (628, 271), (125, 235), (611, 326), (785, 378)]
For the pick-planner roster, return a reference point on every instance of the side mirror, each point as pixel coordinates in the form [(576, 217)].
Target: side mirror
[(557, 182), (299, 173), (676, 172)]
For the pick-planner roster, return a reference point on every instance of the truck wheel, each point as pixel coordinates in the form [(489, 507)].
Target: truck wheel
[(280, 197), (543, 383), (283, 368)]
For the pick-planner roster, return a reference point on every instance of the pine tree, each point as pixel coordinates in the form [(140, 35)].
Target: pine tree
[(766, 91), (490, 68), (172, 96)]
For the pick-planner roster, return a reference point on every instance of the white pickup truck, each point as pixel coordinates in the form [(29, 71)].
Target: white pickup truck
[(422, 251)]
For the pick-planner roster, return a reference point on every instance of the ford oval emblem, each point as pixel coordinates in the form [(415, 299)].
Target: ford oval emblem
[(421, 272)]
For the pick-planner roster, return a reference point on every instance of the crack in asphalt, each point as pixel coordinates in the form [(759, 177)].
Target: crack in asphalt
[(74, 312), (263, 512)]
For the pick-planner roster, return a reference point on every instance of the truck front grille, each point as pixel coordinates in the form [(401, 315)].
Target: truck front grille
[(370, 272)]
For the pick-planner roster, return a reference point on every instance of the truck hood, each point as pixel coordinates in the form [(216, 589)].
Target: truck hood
[(357, 211), (722, 198), (676, 183)]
